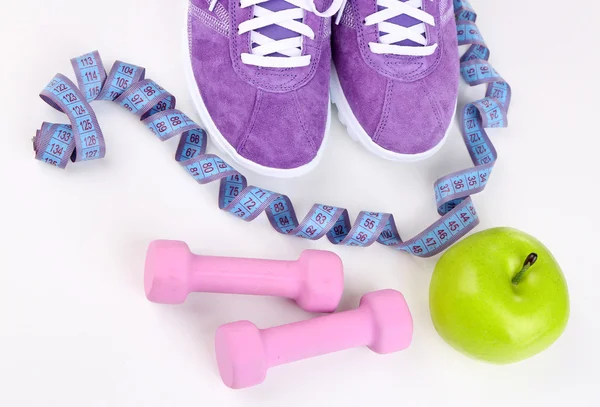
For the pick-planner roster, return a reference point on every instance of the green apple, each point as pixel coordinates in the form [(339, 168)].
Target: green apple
[(499, 296)]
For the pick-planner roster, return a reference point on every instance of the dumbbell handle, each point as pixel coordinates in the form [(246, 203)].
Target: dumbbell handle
[(247, 276), (318, 336)]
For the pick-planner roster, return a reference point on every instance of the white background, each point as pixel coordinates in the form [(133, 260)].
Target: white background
[(75, 327)]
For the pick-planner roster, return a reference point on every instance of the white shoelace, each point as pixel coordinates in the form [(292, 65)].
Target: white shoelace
[(290, 49), (395, 33)]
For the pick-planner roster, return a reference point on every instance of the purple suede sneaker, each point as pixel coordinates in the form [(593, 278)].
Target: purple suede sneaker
[(395, 81), (260, 72)]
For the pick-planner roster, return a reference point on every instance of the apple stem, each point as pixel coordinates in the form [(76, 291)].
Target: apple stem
[(529, 261)]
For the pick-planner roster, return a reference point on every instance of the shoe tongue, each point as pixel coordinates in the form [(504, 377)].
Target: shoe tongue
[(275, 31), (404, 21)]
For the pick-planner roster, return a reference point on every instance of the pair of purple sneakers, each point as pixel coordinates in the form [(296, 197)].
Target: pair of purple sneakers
[(263, 77)]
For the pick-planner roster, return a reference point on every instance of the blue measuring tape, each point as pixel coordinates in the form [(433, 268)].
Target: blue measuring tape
[(488, 112), (126, 85)]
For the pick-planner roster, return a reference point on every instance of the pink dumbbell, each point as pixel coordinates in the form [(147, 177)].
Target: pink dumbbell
[(315, 281), (244, 353)]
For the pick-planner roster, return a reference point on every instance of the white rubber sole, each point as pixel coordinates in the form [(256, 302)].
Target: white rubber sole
[(357, 133), (222, 143)]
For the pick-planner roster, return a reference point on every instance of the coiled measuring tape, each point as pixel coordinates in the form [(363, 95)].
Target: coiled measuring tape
[(126, 85)]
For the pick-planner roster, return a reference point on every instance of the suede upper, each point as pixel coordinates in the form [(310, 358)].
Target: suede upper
[(274, 117), (404, 103)]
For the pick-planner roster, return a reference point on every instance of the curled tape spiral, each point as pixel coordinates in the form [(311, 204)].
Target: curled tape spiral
[(126, 85)]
